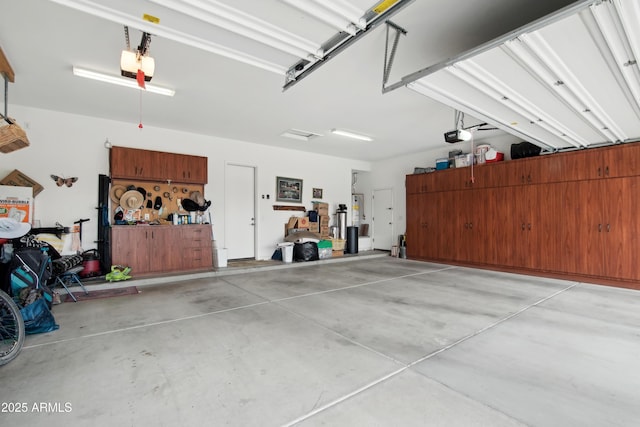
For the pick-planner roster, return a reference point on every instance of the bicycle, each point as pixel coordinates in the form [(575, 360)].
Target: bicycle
[(12, 332)]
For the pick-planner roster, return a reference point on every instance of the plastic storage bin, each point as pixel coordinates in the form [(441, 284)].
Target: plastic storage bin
[(287, 251)]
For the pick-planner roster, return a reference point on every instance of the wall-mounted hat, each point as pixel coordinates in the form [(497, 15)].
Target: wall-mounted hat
[(197, 197), (12, 229), (116, 192), (132, 199), (189, 205)]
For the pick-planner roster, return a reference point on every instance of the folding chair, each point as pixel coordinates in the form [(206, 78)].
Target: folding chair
[(70, 277), (66, 270)]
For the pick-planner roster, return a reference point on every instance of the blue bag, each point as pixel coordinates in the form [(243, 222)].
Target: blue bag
[(38, 318)]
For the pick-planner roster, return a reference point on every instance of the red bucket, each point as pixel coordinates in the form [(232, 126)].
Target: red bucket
[(91, 264)]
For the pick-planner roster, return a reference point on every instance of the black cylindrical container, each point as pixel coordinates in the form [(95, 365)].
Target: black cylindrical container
[(352, 240)]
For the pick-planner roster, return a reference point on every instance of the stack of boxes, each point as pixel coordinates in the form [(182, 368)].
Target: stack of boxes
[(322, 211), (295, 224), (317, 222)]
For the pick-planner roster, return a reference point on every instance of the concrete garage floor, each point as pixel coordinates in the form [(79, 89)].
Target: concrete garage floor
[(369, 342)]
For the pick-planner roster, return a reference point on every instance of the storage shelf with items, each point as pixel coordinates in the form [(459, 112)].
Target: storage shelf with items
[(159, 216)]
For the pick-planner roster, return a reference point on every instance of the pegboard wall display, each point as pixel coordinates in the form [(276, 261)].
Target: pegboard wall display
[(155, 202)]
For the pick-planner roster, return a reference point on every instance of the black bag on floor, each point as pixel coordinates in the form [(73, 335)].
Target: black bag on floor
[(307, 251)]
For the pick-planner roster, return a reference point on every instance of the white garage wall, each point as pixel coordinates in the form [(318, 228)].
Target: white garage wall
[(73, 145)]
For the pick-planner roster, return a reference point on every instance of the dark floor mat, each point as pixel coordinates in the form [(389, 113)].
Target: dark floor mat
[(102, 293)]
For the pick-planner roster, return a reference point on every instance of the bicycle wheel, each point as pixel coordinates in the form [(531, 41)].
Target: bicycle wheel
[(11, 329)]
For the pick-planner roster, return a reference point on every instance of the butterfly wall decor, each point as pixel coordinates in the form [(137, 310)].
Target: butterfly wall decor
[(64, 181)]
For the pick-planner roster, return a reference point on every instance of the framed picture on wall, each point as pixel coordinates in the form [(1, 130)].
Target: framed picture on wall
[(317, 193), (288, 189)]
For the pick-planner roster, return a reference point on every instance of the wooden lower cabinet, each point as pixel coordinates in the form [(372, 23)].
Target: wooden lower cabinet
[(422, 226), (580, 229), (197, 249), (604, 237), (162, 249)]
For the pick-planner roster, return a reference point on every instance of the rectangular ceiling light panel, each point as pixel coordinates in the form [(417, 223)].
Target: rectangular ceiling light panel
[(302, 135)]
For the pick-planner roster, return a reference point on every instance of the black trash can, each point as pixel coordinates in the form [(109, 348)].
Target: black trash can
[(352, 240)]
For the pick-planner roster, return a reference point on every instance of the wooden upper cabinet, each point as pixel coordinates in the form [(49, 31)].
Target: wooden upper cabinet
[(618, 161), (188, 169), (413, 184), (597, 163), (133, 163)]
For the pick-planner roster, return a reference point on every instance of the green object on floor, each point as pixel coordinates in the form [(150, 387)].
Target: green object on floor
[(118, 273), (324, 244)]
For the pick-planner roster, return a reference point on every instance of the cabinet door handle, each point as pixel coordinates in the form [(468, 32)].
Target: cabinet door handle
[(471, 225), (529, 227), (608, 228), (599, 228), (606, 171), (523, 226), (529, 179), (466, 225), (599, 171), (522, 179)]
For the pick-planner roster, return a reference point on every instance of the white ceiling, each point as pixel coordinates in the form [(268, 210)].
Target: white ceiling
[(223, 97)]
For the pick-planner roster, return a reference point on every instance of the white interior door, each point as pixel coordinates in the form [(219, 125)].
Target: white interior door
[(383, 219), (240, 212)]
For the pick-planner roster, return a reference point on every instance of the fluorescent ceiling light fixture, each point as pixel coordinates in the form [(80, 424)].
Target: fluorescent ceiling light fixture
[(351, 135), (117, 80)]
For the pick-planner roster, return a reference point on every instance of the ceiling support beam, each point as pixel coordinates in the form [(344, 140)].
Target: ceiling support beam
[(389, 57)]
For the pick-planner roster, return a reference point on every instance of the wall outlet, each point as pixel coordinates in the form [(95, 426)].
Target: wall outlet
[(146, 217)]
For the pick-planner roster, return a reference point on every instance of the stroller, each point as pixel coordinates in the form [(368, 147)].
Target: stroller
[(32, 270)]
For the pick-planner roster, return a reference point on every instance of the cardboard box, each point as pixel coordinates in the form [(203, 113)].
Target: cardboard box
[(303, 222), (337, 253), (314, 227), (321, 208), (18, 179), (16, 203), (323, 220), (292, 222)]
